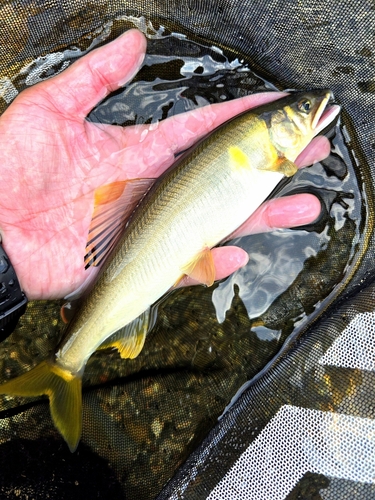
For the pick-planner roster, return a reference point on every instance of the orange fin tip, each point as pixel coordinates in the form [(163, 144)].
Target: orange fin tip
[(130, 339), (113, 205), (201, 268)]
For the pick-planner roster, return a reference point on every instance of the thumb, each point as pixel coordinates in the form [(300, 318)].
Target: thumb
[(87, 81)]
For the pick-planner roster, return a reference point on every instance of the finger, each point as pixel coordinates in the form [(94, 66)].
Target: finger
[(182, 131), (161, 141), (226, 259), (318, 149), (79, 88), (289, 211)]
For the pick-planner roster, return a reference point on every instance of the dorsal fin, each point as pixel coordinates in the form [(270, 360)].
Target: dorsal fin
[(114, 203)]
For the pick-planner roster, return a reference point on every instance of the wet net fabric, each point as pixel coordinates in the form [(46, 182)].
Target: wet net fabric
[(307, 430), (303, 427)]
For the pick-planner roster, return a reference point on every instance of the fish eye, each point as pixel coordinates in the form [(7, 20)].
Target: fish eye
[(304, 105)]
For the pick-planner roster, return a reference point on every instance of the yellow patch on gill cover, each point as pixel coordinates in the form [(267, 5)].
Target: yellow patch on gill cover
[(290, 113), (238, 158)]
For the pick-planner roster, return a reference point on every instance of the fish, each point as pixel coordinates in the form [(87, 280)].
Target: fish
[(171, 225)]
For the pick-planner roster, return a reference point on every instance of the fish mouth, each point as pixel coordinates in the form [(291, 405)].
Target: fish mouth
[(325, 113)]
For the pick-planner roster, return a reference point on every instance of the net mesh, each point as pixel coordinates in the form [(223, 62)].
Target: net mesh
[(308, 418), (303, 426)]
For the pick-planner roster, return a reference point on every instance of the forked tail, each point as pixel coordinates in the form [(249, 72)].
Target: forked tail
[(65, 395)]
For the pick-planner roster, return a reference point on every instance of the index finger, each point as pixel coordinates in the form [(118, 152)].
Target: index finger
[(183, 130)]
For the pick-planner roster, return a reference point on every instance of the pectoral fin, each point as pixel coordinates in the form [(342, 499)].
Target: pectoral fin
[(130, 339), (286, 167), (64, 391), (113, 205), (201, 268)]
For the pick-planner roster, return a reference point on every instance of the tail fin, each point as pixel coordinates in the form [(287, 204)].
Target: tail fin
[(64, 392)]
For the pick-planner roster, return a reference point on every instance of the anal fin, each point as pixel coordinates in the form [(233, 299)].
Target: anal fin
[(130, 339)]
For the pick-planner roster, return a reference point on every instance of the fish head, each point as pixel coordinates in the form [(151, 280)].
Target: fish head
[(300, 117)]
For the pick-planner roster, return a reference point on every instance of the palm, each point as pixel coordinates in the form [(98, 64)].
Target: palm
[(53, 160), (47, 206)]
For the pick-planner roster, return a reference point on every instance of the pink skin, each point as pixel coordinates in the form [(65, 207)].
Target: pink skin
[(52, 161)]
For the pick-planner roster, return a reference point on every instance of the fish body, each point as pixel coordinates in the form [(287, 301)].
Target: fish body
[(208, 194), (195, 206)]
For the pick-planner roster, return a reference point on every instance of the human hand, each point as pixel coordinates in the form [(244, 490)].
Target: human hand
[(52, 160)]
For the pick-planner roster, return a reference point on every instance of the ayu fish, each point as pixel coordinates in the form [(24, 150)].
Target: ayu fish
[(202, 199)]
